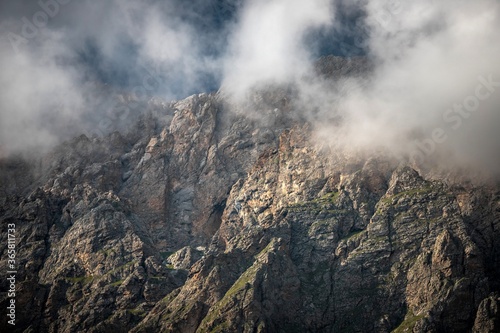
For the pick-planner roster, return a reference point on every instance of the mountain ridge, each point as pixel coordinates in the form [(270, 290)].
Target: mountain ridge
[(202, 218)]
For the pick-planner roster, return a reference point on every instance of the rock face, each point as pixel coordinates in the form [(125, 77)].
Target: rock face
[(203, 219)]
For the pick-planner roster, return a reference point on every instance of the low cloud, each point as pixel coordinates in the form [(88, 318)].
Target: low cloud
[(67, 65), (418, 100), (429, 58), (268, 44), (429, 61)]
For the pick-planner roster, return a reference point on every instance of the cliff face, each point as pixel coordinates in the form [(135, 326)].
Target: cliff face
[(203, 219)]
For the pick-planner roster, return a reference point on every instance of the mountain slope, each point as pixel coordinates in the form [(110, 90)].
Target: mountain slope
[(205, 218)]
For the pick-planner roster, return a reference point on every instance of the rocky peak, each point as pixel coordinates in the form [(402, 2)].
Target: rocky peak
[(204, 218)]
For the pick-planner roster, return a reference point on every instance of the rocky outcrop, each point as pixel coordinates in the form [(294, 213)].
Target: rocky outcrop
[(488, 315), (321, 247), (205, 218), (308, 245)]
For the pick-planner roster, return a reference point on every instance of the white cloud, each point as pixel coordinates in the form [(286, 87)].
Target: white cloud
[(426, 56), (47, 93), (268, 43)]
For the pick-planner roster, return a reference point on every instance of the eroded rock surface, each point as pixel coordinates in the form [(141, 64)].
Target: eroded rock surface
[(203, 218)]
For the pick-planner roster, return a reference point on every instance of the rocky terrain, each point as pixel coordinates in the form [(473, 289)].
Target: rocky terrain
[(204, 217)]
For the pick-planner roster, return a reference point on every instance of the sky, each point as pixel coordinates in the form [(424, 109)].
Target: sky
[(433, 91)]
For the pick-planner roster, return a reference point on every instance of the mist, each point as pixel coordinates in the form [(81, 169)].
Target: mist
[(432, 93), (431, 96), (72, 67)]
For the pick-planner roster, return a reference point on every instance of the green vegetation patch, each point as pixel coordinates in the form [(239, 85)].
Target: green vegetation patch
[(79, 279), (222, 327), (170, 297), (106, 252), (239, 285), (408, 323), (137, 312), (268, 247), (409, 193), (241, 282), (326, 203), (122, 267), (117, 283), (354, 234)]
